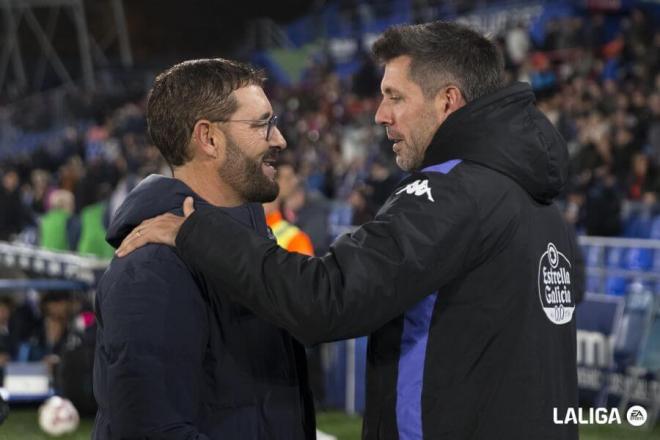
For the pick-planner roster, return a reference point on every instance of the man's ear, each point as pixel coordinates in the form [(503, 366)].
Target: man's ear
[(448, 100), (207, 138)]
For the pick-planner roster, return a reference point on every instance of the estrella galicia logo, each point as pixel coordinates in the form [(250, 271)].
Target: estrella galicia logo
[(554, 284)]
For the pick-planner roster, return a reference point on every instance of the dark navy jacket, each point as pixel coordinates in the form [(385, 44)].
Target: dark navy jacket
[(176, 361), (466, 282)]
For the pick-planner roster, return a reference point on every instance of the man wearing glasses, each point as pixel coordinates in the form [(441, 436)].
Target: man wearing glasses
[(175, 359)]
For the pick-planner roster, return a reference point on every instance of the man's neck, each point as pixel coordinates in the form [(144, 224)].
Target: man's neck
[(208, 185), (272, 206)]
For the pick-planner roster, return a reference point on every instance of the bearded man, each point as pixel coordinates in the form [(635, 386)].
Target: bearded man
[(174, 358)]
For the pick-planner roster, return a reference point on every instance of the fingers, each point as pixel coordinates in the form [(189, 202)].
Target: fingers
[(132, 242), (188, 207), (162, 229), (137, 237)]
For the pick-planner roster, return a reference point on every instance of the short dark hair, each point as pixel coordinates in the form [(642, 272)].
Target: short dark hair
[(190, 91), (445, 53)]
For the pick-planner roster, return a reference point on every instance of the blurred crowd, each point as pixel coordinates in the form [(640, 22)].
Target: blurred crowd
[(600, 85), (597, 81)]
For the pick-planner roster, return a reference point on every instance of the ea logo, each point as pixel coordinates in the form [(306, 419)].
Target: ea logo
[(636, 415)]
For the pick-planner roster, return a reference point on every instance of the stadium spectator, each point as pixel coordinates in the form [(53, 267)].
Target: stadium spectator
[(603, 206), (7, 341), (57, 228), (51, 335), (38, 191), (287, 234), (94, 220), (518, 44), (642, 184), (446, 277), (12, 213), (173, 357)]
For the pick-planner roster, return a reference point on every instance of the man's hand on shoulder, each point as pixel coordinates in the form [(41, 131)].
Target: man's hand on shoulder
[(162, 229)]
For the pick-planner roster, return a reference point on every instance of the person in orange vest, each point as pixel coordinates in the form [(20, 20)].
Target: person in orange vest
[(288, 235)]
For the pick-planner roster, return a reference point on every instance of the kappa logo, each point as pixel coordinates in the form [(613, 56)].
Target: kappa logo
[(418, 188)]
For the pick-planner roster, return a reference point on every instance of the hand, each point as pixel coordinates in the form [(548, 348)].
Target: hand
[(162, 229)]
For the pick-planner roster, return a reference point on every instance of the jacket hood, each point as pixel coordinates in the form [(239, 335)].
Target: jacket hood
[(505, 131), (156, 195)]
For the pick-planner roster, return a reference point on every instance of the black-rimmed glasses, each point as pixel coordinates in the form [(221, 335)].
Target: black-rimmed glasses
[(268, 123)]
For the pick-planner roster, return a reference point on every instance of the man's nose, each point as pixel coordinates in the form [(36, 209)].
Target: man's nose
[(277, 139), (383, 117)]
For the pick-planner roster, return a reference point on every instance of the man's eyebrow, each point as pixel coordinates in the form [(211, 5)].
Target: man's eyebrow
[(390, 91), (264, 116)]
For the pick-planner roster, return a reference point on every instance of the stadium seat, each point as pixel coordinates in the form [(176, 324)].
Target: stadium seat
[(656, 261), (615, 285), (593, 255), (638, 224), (655, 228), (594, 284), (639, 259), (615, 258)]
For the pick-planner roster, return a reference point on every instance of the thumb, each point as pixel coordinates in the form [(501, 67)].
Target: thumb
[(188, 207)]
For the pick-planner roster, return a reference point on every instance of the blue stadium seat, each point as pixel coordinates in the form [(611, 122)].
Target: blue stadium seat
[(638, 224), (655, 228), (594, 284), (656, 261), (615, 285), (615, 258), (639, 259), (593, 255)]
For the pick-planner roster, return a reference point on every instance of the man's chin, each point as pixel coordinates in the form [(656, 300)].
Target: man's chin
[(268, 193), (408, 164), (402, 163)]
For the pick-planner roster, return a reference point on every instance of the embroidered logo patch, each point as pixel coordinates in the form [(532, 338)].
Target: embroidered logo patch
[(418, 188), (554, 283)]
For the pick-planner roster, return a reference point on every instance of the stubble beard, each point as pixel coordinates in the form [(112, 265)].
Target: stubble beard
[(412, 158)]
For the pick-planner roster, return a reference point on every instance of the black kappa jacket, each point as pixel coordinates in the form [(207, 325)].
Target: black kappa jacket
[(175, 359), (466, 282)]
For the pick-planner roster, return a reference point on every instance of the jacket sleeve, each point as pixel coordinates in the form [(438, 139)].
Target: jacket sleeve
[(154, 323), (414, 246)]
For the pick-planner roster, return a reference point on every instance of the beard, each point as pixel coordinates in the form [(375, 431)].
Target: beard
[(411, 156), (245, 176)]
